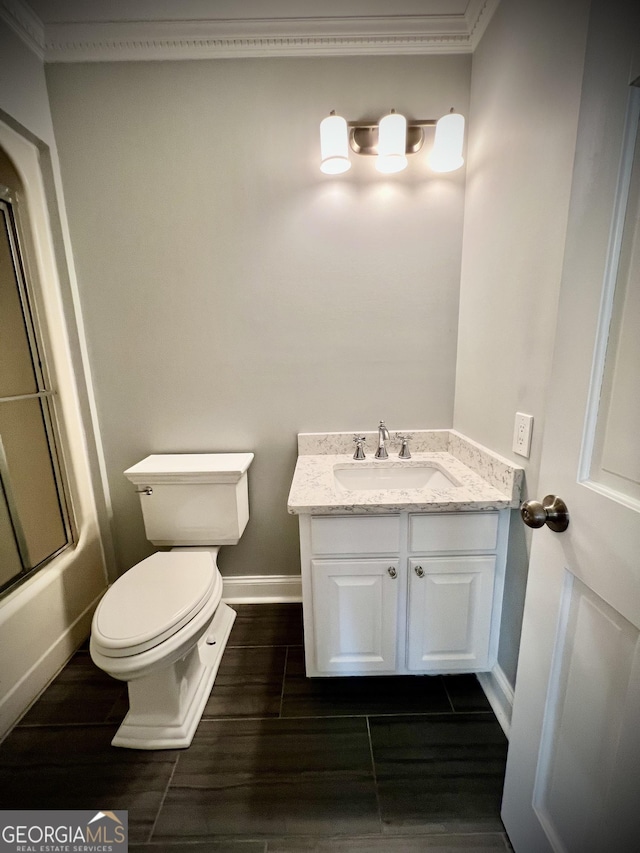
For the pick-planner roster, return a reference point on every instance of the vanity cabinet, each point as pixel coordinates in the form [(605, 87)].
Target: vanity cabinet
[(403, 593)]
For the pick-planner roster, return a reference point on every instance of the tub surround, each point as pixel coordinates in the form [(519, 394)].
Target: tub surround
[(485, 480)]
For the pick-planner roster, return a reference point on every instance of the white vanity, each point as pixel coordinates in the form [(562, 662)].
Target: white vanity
[(403, 561)]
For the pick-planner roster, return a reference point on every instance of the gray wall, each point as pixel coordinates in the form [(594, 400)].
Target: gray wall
[(233, 295), (526, 83)]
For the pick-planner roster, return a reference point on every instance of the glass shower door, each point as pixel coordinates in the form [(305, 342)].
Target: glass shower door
[(34, 519)]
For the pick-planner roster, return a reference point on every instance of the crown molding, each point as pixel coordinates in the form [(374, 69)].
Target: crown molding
[(25, 23), (206, 40), (478, 19), (214, 39)]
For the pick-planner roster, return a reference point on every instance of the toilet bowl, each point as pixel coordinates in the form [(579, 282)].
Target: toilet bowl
[(168, 650), (162, 626)]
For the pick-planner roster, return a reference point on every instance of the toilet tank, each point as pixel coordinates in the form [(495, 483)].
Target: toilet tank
[(193, 498)]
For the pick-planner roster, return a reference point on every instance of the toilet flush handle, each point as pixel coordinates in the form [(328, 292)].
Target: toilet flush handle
[(146, 491)]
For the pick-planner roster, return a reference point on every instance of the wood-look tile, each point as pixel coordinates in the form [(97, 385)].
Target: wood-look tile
[(439, 773), (310, 697), (75, 767), (248, 683), (267, 625), (466, 694), (272, 777), (269, 784), (80, 694), (442, 843)]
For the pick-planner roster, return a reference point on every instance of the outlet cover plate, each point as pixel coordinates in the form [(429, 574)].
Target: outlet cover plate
[(522, 434)]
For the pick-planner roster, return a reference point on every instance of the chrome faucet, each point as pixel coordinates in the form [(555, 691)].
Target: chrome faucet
[(383, 435)]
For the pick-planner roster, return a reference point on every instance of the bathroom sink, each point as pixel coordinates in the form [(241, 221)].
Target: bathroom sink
[(381, 477)]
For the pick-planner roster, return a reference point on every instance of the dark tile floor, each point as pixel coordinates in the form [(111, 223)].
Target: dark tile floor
[(280, 763)]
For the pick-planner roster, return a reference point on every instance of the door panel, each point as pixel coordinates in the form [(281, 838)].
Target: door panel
[(591, 673), (355, 606), (612, 458), (573, 781), (450, 604)]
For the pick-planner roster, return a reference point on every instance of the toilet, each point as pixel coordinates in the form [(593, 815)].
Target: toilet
[(162, 626)]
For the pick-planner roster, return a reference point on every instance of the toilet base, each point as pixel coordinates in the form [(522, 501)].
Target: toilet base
[(166, 706)]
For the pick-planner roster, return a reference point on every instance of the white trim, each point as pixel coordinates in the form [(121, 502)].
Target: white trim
[(259, 589), (499, 692), (123, 40), (39, 676), (478, 18)]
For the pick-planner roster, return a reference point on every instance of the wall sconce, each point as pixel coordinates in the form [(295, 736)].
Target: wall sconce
[(392, 143), (390, 140)]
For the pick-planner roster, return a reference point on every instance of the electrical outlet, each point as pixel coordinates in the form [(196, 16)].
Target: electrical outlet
[(522, 434)]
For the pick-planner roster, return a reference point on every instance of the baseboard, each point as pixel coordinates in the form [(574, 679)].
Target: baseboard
[(258, 589), (500, 695), (38, 677)]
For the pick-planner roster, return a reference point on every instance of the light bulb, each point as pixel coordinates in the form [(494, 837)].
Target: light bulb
[(392, 143), (446, 155), (334, 145)]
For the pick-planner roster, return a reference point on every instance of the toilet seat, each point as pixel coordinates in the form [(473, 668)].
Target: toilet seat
[(152, 601)]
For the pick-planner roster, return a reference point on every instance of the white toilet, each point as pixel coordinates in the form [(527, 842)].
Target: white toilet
[(162, 626)]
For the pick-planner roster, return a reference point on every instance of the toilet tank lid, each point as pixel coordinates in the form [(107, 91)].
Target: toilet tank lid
[(190, 468)]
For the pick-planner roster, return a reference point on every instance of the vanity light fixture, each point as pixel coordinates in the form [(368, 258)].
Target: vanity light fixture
[(446, 154), (334, 145), (390, 141)]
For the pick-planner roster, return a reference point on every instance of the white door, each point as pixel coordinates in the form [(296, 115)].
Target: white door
[(573, 771)]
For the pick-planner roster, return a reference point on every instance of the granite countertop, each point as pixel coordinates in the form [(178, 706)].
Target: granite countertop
[(484, 480)]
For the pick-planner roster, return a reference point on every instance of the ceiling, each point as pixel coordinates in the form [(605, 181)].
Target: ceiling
[(61, 11), (100, 30)]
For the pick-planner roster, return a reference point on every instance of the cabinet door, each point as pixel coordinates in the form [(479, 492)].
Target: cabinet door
[(450, 602), (355, 606)]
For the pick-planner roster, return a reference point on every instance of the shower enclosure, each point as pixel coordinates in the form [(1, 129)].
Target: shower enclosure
[(35, 516)]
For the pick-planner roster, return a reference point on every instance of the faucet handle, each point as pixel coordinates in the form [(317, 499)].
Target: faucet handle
[(359, 443), (404, 453)]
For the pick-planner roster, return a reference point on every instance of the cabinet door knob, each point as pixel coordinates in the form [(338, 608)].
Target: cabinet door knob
[(392, 572), (419, 571)]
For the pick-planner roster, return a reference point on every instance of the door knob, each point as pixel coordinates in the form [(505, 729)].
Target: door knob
[(551, 511)]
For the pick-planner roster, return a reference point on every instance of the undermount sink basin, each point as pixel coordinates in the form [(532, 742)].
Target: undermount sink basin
[(355, 478)]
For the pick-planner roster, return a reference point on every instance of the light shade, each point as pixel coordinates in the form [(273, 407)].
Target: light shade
[(334, 145), (392, 143), (446, 155)]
